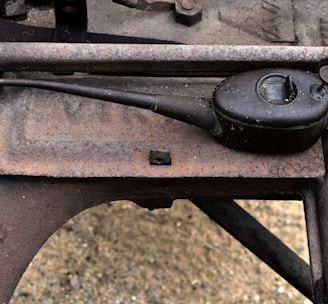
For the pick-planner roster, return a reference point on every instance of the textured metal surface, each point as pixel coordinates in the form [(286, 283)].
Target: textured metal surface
[(32, 209), (16, 32), (58, 135), (188, 12), (187, 59), (277, 18), (314, 244), (52, 134), (220, 25)]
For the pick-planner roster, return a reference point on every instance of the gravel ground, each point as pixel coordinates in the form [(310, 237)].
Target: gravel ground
[(121, 254)]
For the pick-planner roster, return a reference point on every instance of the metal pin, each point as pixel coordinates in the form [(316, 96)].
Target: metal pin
[(290, 90)]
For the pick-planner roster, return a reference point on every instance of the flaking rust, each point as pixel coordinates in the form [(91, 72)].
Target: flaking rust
[(52, 134)]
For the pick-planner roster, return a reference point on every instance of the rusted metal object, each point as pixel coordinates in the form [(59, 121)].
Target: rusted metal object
[(316, 214), (274, 111), (60, 136), (56, 135), (188, 12), (52, 134), (31, 209), (89, 152), (168, 59), (148, 5), (269, 19)]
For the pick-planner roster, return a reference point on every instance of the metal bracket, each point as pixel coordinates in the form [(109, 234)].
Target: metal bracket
[(187, 12)]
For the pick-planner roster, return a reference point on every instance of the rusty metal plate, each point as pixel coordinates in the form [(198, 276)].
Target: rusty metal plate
[(272, 20), (52, 134), (260, 22), (223, 22)]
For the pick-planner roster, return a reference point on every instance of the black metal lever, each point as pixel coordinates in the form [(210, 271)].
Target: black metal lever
[(263, 111)]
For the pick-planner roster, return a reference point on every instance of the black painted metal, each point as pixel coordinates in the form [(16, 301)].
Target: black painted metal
[(238, 116), (196, 111), (16, 32), (311, 217), (258, 112), (316, 211), (260, 241)]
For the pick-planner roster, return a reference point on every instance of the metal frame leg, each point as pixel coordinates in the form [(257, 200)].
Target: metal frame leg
[(30, 212), (33, 208), (311, 218)]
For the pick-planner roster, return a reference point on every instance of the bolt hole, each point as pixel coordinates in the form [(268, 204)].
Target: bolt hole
[(160, 157)]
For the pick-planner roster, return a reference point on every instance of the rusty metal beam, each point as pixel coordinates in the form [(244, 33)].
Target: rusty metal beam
[(33, 208), (171, 59), (51, 134)]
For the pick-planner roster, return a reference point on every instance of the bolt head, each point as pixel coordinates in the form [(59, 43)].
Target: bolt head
[(188, 12)]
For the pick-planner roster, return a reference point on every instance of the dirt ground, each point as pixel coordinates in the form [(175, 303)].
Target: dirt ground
[(121, 253)]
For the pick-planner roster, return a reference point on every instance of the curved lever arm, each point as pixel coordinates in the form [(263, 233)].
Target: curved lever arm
[(196, 111)]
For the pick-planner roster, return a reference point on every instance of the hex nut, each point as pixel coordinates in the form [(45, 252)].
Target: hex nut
[(188, 12)]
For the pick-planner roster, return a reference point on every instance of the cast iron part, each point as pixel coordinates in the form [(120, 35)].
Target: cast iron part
[(271, 111), (187, 12), (264, 111)]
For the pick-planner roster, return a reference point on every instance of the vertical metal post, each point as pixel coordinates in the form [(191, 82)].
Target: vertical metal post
[(313, 236)]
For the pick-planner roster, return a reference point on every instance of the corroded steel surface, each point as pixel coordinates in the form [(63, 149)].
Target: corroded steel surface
[(277, 18), (159, 58), (52, 134), (33, 208)]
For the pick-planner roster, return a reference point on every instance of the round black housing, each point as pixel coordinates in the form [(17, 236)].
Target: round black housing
[(271, 111)]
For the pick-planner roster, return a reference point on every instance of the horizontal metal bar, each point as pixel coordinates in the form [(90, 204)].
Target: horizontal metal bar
[(173, 59)]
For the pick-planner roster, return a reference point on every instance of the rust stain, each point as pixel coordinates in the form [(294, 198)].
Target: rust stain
[(50, 134)]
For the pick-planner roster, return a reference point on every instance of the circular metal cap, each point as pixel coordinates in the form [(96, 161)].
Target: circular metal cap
[(277, 89)]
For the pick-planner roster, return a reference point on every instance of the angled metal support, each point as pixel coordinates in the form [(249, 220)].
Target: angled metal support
[(259, 240)]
